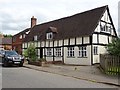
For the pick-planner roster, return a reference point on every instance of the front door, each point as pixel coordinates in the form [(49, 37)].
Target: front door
[(41, 52)]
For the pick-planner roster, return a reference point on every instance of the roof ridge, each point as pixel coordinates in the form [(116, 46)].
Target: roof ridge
[(73, 15)]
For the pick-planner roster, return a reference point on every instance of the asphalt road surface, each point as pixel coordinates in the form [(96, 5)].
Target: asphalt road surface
[(21, 77)]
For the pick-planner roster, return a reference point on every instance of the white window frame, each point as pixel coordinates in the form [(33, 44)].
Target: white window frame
[(95, 50), (82, 51), (49, 35), (20, 37), (24, 36), (71, 52), (35, 38), (49, 52), (58, 52)]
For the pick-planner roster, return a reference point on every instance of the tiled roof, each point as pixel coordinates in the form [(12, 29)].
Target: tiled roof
[(7, 41), (81, 24)]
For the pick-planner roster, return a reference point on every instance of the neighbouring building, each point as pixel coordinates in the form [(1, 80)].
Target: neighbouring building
[(7, 43), (77, 39), (18, 38)]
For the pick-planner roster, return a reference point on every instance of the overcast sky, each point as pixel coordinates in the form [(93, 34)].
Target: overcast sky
[(15, 15)]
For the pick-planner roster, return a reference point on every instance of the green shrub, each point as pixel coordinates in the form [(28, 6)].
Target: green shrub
[(30, 52), (114, 47)]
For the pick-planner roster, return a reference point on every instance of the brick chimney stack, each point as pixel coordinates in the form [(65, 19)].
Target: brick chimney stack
[(33, 21)]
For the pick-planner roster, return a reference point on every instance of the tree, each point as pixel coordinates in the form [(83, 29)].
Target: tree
[(30, 52), (7, 35), (114, 47)]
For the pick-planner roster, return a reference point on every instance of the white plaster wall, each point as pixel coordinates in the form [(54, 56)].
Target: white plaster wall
[(98, 28), (35, 43), (103, 39), (42, 44), (106, 17), (94, 38), (25, 45), (72, 41), (76, 59), (86, 40), (49, 58), (58, 58), (110, 39), (38, 44), (55, 43), (79, 40), (101, 50), (66, 42), (60, 42), (51, 43), (47, 43)]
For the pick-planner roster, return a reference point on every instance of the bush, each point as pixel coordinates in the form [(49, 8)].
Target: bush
[(114, 47), (30, 52)]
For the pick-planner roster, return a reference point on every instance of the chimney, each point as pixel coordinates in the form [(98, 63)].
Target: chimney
[(33, 21)]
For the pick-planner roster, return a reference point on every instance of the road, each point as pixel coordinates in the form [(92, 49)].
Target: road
[(21, 77)]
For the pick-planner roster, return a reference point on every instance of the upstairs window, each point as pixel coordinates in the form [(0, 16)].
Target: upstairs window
[(20, 37), (35, 38), (14, 39), (105, 28), (49, 35), (24, 36)]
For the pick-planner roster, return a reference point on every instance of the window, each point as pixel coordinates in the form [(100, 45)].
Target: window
[(105, 28), (35, 38), (58, 52), (49, 52), (49, 35), (82, 51), (70, 51), (14, 39), (20, 37), (24, 36), (95, 50)]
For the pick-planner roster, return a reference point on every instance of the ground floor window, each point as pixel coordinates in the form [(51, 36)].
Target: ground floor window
[(95, 50), (70, 51), (82, 51), (58, 52), (49, 52)]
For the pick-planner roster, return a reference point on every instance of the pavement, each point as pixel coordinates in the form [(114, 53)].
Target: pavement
[(88, 73)]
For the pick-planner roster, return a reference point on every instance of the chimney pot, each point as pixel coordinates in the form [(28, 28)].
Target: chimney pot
[(33, 21)]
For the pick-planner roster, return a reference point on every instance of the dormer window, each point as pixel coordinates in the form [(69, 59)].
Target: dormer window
[(49, 35), (35, 38)]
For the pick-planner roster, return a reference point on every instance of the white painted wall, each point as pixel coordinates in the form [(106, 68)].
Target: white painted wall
[(94, 38), (72, 41), (103, 39), (86, 40), (66, 42), (76, 59), (101, 50), (79, 40)]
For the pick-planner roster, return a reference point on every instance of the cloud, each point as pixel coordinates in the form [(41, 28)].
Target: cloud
[(15, 14)]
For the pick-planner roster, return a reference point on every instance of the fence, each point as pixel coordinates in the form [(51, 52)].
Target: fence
[(110, 64)]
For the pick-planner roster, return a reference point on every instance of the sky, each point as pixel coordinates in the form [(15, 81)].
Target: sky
[(15, 15)]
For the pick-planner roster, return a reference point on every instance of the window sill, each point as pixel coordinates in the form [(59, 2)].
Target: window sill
[(82, 57), (95, 54), (49, 56), (70, 57)]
